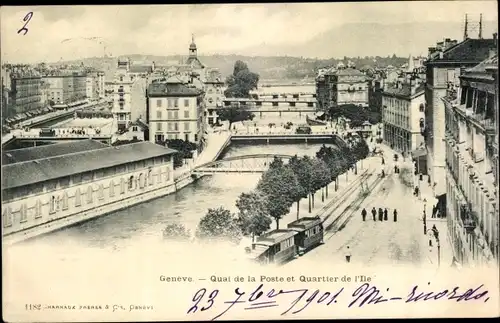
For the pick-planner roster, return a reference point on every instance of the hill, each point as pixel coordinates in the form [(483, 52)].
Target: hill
[(268, 67)]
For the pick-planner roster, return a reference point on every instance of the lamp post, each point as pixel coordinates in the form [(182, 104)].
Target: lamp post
[(435, 231)]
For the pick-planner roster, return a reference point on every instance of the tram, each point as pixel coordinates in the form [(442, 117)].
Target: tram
[(310, 233), (282, 245), (275, 247)]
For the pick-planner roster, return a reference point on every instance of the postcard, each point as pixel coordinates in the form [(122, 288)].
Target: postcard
[(250, 161)]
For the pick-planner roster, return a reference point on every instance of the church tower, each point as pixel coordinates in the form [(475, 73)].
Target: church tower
[(192, 48)]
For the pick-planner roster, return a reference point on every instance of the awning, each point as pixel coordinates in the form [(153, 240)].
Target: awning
[(418, 153)]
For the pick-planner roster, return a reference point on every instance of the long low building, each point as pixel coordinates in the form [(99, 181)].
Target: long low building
[(49, 187)]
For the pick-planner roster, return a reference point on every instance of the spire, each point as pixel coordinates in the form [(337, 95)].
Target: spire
[(192, 47)]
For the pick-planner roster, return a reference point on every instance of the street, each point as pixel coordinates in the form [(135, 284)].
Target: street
[(373, 243)]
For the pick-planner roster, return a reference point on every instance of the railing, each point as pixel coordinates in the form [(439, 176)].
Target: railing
[(287, 133)]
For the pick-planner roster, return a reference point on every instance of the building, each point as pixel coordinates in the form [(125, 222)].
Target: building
[(175, 111), (193, 63), (326, 89), (444, 66), (214, 95), (352, 87), (95, 85), (340, 86), (23, 88), (471, 123), (122, 100), (403, 115), (66, 88), (49, 187)]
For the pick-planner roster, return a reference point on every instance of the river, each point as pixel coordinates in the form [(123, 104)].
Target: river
[(122, 229)]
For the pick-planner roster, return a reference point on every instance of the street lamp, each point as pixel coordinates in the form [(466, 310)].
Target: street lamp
[(435, 232)]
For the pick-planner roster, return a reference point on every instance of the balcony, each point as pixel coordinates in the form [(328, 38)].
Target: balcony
[(121, 100), (468, 217), (120, 90)]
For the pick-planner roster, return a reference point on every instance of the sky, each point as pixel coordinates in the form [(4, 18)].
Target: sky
[(73, 32)]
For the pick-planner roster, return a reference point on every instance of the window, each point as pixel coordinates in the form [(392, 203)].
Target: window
[(186, 137), (176, 126), (186, 126), (131, 183), (195, 137), (158, 126), (38, 209), (122, 186), (158, 177), (90, 193), (186, 114), (150, 177), (167, 174), (111, 189), (78, 197), (23, 213), (158, 116), (186, 103), (158, 103), (176, 115), (210, 100), (141, 180), (100, 192), (7, 217), (65, 201), (176, 103), (53, 205)]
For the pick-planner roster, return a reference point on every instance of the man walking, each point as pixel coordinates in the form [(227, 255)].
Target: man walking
[(363, 214), (374, 214), (380, 214), (385, 214), (395, 215)]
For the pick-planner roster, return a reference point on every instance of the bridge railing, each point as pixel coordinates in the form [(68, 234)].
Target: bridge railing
[(286, 133)]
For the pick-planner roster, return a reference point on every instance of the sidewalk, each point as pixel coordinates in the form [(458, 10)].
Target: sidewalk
[(426, 201)]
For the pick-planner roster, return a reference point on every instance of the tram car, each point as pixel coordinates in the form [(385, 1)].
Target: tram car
[(310, 233), (275, 247), (280, 246)]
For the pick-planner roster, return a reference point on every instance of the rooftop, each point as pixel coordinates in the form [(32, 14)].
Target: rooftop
[(480, 70), (41, 170), (470, 50), (171, 90), (350, 72), (140, 69), (275, 236), (47, 151)]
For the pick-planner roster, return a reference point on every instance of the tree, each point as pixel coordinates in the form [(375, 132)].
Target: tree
[(219, 224), (234, 113), (176, 231), (276, 163), (184, 150), (280, 187), (241, 82), (301, 167), (320, 177), (361, 150), (253, 216), (333, 161)]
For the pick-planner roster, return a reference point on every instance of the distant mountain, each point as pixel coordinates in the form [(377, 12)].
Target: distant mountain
[(364, 44), (372, 39)]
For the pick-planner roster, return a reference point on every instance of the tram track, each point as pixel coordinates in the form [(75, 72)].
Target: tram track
[(347, 214)]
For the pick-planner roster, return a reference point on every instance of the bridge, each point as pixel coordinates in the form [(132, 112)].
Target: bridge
[(275, 102), (277, 95), (33, 140), (258, 163)]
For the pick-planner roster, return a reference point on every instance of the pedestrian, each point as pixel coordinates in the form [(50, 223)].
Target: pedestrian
[(363, 214), (348, 255), (385, 214), (383, 161), (395, 215), (380, 214), (374, 214)]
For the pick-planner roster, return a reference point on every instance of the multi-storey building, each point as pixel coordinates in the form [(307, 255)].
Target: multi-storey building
[(49, 187), (443, 68), (340, 86), (214, 95), (122, 100), (175, 111), (352, 87), (66, 88), (471, 121), (403, 115), (326, 89), (25, 93)]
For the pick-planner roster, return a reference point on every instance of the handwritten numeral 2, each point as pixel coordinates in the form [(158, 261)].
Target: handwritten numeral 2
[(26, 19), (199, 296)]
